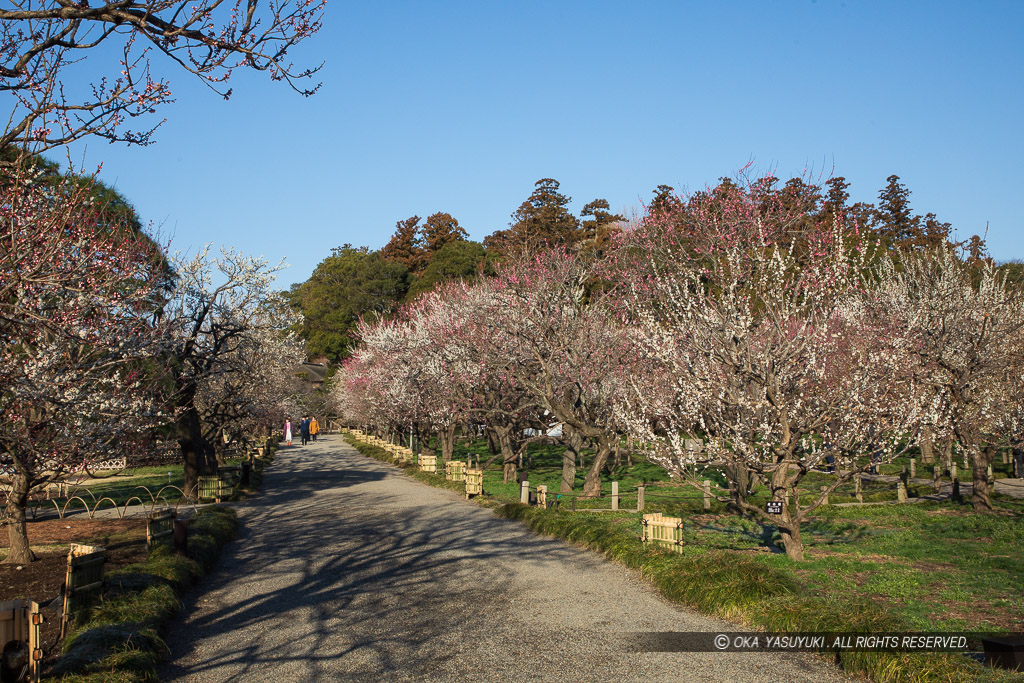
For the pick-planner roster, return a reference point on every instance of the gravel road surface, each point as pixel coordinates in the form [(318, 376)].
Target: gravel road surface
[(345, 570)]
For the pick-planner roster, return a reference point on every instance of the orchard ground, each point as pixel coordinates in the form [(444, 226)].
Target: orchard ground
[(934, 565)]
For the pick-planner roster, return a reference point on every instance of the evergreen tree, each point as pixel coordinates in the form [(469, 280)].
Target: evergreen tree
[(542, 220), (350, 283), (404, 246), (439, 230)]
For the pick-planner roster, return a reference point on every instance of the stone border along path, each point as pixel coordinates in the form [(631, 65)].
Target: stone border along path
[(344, 569)]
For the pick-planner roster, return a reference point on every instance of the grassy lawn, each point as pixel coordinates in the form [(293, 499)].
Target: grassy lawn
[(932, 565), (143, 483), (918, 567)]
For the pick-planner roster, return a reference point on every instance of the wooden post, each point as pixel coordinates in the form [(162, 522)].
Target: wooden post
[(952, 472), (823, 490), (901, 492), (542, 495), (524, 492), (988, 476), (640, 498), (937, 479), (913, 468), (615, 495), (856, 488), (707, 494)]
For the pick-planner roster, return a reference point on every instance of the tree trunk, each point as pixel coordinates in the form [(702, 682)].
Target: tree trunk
[(739, 484), (791, 540), (927, 446), (17, 503), (508, 453), (981, 459), (447, 438), (194, 449), (573, 443), (492, 441), (789, 528), (947, 455), (592, 484)]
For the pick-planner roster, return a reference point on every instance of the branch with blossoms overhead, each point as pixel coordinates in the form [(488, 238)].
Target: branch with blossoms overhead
[(42, 42)]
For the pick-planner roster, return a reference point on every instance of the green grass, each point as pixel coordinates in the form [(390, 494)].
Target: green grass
[(119, 638), (918, 567)]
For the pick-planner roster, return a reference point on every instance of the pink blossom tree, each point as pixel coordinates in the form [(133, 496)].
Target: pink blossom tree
[(583, 358), (77, 301)]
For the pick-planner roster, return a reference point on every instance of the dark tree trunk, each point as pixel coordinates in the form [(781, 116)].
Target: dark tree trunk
[(195, 452), (17, 503), (739, 484), (789, 528), (592, 484), (492, 441), (947, 455), (927, 446), (979, 495), (508, 453), (447, 438)]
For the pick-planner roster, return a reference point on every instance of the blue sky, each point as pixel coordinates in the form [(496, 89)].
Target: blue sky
[(462, 106)]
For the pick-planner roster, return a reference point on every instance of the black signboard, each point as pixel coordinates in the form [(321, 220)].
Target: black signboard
[(773, 507)]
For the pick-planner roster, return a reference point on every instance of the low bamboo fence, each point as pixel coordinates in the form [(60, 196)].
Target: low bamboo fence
[(83, 581), (474, 482), (160, 528), (455, 470), (19, 623), (662, 531)]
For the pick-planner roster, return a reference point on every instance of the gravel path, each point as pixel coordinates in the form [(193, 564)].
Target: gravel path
[(347, 570)]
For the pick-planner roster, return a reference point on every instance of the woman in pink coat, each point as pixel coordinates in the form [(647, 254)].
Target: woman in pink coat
[(287, 432)]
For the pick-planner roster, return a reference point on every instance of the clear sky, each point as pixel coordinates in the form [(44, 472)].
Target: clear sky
[(462, 106)]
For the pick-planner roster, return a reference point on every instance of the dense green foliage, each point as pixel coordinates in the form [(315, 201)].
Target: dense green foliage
[(350, 283)]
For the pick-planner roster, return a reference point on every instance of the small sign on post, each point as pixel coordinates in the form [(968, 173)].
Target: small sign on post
[(773, 507)]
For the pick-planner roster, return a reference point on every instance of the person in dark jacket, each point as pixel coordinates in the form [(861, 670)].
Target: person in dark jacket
[(304, 428)]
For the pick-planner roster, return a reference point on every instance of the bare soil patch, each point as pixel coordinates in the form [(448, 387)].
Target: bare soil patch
[(42, 580)]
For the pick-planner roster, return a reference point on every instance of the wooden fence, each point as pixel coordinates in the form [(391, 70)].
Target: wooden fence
[(160, 528), (474, 482), (664, 531), (84, 580), (428, 463), (455, 470), (19, 624)]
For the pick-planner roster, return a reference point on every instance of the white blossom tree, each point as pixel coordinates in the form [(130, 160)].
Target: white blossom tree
[(77, 298), (965, 326), (223, 320), (770, 356)]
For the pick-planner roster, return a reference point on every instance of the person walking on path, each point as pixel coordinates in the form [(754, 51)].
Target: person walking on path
[(304, 429), (314, 428), (287, 432)]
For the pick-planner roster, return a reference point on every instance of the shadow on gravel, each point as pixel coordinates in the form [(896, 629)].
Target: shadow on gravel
[(323, 572)]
